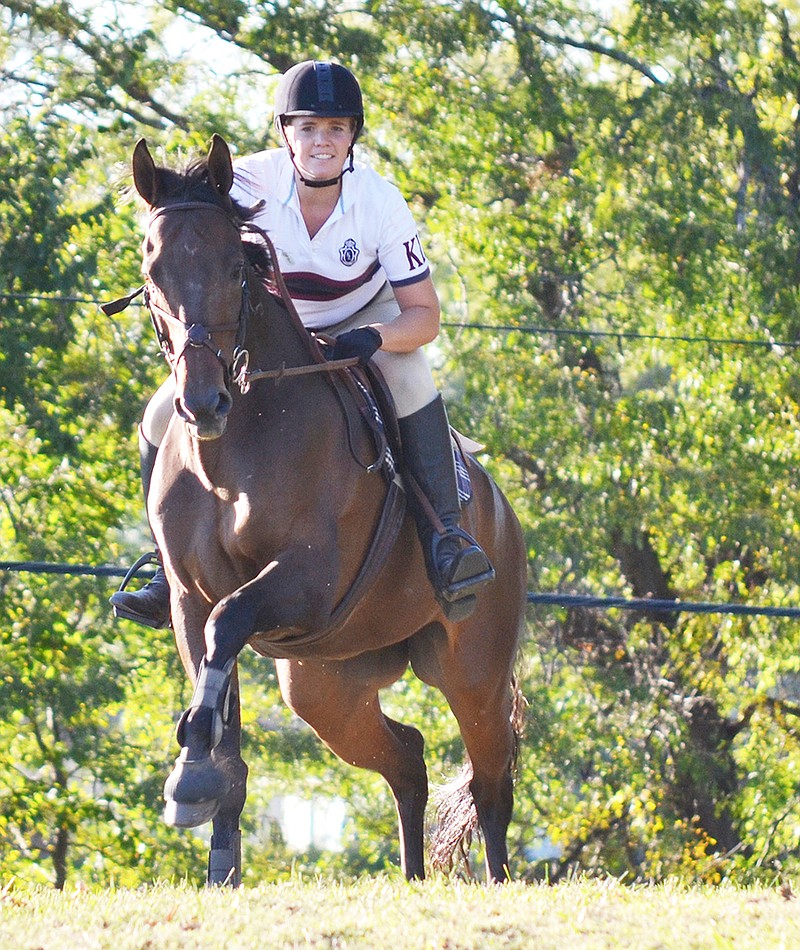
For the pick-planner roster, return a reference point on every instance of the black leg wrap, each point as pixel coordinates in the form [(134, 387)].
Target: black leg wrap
[(211, 692), (225, 864)]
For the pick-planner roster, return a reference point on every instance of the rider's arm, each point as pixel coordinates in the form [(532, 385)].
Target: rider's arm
[(418, 321)]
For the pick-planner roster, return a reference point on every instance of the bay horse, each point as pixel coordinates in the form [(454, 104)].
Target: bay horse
[(277, 531)]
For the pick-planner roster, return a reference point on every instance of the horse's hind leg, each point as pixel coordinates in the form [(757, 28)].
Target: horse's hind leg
[(491, 747), (477, 684), (340, 703), (410, 790)]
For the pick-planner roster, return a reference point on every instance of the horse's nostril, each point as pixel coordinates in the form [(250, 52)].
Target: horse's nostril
[(225, 403), (205, 408)]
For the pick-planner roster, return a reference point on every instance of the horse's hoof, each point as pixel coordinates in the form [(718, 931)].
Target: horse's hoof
[(189, 814), (193, 791)]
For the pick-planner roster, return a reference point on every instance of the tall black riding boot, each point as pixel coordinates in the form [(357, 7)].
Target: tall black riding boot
[(457, 566), (150, 605)]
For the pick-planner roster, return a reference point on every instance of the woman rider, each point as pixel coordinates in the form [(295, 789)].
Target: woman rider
[(351, 256)]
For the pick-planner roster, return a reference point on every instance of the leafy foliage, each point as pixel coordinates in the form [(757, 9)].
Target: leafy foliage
[(617, 194)]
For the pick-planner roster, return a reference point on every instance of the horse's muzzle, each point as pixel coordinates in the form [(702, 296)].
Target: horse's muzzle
[(206, 414)]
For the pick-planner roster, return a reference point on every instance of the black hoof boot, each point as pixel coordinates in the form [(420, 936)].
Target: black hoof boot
[(193, 791), (198, 784)]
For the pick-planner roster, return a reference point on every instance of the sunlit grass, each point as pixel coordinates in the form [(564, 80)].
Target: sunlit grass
[(387, 912)]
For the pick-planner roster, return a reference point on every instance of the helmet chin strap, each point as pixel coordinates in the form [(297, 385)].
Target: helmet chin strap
[(321, 182), (317, 182)]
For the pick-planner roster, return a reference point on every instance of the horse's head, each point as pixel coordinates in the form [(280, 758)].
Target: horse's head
[(195, 280)]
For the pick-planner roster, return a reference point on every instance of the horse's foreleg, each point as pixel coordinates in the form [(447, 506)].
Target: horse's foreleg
[(277, 597), (209, 775), (345, 713), (225, 854), (209, 766), (296, 590)]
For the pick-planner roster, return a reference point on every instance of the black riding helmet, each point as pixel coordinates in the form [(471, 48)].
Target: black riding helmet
[(327, 90)]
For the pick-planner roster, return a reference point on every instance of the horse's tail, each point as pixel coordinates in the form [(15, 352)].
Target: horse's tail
[(456, 815), (456, 821)]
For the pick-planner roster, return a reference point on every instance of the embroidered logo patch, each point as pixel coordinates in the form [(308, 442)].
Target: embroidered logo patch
[(348, 252)]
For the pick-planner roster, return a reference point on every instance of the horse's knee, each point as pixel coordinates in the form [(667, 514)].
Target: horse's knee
[(263, 605)]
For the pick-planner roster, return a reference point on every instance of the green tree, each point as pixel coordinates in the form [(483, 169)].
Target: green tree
[(83, 749), (616, 191)]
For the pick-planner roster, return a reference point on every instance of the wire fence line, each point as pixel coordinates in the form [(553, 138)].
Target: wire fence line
[(652, 605), (50, 567), (554, 599), (531, 330), (628, 335)]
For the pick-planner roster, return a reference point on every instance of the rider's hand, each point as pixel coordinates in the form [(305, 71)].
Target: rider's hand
[(361, 342)]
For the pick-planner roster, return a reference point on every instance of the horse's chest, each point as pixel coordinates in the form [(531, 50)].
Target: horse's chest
[(249, 524), (245, 515)]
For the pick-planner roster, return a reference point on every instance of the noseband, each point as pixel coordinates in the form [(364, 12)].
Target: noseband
[(198, 334)]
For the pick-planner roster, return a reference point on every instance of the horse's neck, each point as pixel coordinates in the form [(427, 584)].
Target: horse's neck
[(275, 334)]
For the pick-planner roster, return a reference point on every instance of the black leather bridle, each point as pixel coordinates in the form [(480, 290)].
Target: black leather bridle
[(198, 334)]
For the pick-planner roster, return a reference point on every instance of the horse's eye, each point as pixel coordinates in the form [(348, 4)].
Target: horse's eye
[(238, 271)]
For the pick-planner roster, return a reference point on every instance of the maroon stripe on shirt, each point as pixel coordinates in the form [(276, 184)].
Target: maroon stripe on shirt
[(304, 285)]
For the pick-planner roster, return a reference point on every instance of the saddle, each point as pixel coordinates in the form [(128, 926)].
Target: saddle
[(379, 411), (365, 400)]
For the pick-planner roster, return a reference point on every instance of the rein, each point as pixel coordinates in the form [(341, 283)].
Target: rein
[(198, 334), (284, 370)]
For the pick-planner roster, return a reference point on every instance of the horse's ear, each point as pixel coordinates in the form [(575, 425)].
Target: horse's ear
[(220, 167), (145, 173)]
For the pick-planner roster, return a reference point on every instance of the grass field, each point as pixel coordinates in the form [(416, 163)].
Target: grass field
[(388, 913)]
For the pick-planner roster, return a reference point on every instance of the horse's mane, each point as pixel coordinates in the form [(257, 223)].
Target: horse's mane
[(192, 184)]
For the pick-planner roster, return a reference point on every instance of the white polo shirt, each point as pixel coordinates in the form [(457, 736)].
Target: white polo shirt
[(369, 238)]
